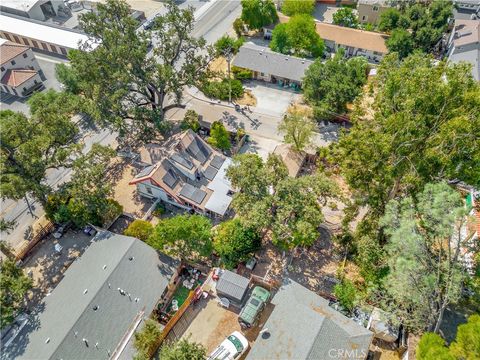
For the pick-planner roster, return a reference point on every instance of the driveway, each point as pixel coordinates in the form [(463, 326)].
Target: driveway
[(324, 12), (271, 99)]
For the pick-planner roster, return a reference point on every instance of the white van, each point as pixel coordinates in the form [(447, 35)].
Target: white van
[(231, 348)]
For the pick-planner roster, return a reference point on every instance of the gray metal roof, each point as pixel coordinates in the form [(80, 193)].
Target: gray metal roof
[(210, 172), (303, 326), (67, 316), (232, 285), (264, 60), (217, 161), (471, 56)]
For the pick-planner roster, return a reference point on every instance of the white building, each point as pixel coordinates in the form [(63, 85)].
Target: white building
[(33, 9), (19, 70), (45, 37)]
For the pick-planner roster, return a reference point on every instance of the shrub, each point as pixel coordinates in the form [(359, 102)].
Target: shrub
[(147, 338), (241, 73), (139, 229), (346, 294), (220, 89), (190, 121), (219, 136), (239, 27)]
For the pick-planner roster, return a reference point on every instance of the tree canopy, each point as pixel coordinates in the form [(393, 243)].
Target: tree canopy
[(295, 7), (140, 229), (219, 136), (235, 242), (345, 17), (269, 200), (14, 284), (183, 350), (122, 85), (31, 145), (258, 13), (298, 127), (146, 339), (400, 41), (423, 254), (425, 122), (298, 37), (329, 86), (185, 236)]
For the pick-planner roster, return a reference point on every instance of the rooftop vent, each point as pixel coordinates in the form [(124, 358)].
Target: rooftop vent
[(95, 308), (131, 258), (266, 335), (104, 267), (85, 291), (47, 341)]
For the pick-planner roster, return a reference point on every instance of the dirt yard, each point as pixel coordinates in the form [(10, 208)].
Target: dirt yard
[(212, 325), (46, 267)]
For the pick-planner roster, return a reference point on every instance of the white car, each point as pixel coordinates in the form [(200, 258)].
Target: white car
[(231, 348)]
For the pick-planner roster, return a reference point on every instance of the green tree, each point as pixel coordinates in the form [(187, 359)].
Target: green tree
[(329, 86), (346, 294), (423, 254), (298, 37), (122, 85), (227, 44), (298, 127), (29, 146), (389, 20), (345, 17), (89, 192), (185, 236), (68, 78), (258, 13), (295, 7), (183, 350), (147, 339), (234, 242), (401, 42), (467, 341), (7, 225), (269, 200), (426, 117), (139, 229), (219, 136), (190, 121), (14, 284), (239, 27), (432, 347)]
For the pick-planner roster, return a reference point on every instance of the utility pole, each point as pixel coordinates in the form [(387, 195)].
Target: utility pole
[(228, 55)]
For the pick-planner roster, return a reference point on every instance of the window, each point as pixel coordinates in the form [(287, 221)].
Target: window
[(25, 41), (35, 82), (17, 40), (15, 92), (24, 55), (262, 74), (24, 89), (13, 62), (364, 17), (3, 69), (54, 49), (375, 8), (35, 44), (64, 52), (149, 190), (7, 36), (45, 47)]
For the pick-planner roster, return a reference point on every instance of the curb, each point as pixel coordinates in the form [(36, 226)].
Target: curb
[(200, 12)]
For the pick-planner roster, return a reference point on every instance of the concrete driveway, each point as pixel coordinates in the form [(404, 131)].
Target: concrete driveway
[(271, 99)]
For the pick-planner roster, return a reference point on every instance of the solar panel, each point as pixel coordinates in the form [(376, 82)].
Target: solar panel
[(182, 161), (146, 171), (198, 150), (210, 172), (217, 161), (192, 193), (170, 179)]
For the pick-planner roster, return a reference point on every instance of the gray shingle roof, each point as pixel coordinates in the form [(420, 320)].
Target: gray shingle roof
[(67, 316), (232, 285), (303, 326), (264, 60)]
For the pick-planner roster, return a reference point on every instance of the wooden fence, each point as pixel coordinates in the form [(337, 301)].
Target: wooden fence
[(25, 249), (171, 323)]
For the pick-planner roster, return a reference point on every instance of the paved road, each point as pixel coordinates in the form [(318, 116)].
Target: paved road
[(215, 19)]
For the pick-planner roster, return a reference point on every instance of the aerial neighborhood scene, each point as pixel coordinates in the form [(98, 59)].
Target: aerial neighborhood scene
[(240, 179)]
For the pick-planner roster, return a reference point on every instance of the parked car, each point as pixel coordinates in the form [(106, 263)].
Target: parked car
[(231, 348), (253, 307)]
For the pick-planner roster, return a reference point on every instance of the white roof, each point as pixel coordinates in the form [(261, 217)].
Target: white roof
[(219, 201), (50, 34)]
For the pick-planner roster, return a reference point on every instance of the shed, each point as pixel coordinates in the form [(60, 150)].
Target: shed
[(232, 286)]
